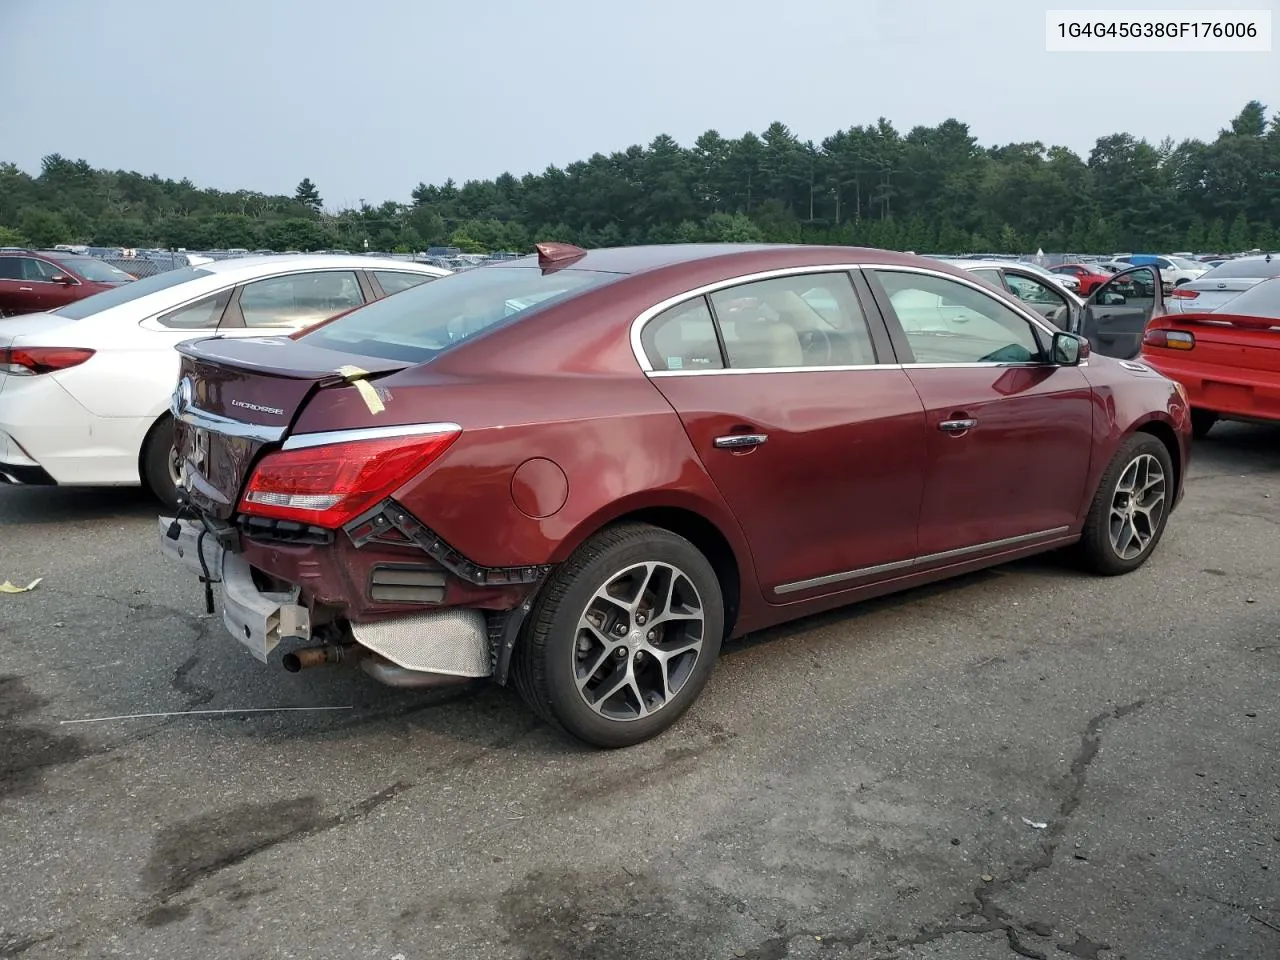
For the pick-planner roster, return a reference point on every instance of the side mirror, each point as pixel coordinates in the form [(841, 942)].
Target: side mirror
[(61, 278), (1068, 349), (1113, 300)]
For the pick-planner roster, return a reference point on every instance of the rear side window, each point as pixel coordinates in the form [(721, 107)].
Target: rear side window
[(424, 321), (682, 337), (11, 268), (807, 320), (393, 282), (300, 299)]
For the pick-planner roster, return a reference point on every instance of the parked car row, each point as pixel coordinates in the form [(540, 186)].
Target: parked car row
[(578, 471), (85, 386)]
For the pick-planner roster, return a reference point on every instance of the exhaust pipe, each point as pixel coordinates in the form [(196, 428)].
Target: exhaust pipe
[(309, 657), (394, 675)]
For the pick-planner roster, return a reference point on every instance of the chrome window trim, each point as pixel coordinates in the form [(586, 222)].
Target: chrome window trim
[(204, 420), (956, 554), (301, 441), (638, 324)]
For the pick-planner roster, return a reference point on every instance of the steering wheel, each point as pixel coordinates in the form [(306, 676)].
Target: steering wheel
[(811, 340)]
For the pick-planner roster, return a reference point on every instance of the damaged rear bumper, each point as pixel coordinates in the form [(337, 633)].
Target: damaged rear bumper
[(447, 643)]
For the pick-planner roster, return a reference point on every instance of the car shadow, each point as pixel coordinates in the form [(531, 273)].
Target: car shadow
[(53, 505), (1238, 447)]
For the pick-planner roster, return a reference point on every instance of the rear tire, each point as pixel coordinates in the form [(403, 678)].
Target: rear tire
[(623, 638), (1131, 508), (159, 473), (1202, 422)]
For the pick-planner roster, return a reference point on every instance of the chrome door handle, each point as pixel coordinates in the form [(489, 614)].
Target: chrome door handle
[(957, 426), (740, 441), (24, 289)]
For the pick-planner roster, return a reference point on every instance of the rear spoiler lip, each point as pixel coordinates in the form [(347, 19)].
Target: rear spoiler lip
[(1239, 321), (324, 366)]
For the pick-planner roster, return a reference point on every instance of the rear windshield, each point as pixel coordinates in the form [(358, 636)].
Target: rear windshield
[(424, 321), (124, 293), (1251, 269), (1260, 300)]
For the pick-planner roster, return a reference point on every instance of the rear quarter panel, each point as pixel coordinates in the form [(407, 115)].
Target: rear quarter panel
[(617, 442)]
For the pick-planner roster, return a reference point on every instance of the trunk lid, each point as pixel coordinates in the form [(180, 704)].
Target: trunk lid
[(1209, 295), (1235, 342), (238, 397)]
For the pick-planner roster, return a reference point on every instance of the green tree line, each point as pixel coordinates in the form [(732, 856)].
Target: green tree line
[(931, 189)]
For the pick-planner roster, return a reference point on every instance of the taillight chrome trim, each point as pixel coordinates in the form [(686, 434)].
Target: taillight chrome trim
[(301, 441)]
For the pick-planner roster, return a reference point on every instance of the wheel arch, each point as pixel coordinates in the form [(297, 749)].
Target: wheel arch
[(729, 561), (1167, 436)]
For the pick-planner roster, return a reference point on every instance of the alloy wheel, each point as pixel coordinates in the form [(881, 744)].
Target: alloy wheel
[(1137, 507), (174, 461), (638, 641)]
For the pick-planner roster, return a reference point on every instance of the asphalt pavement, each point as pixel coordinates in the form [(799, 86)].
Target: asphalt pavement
[(1025, 762)]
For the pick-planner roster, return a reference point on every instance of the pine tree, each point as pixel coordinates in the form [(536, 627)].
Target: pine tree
[(308, 195)]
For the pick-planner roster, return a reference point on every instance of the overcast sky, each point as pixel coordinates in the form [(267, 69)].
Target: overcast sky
[(368, 98)]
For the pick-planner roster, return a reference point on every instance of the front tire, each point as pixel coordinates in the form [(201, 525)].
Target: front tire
[(1130, 509), (1202, 422), (159, 463), (624, 637)]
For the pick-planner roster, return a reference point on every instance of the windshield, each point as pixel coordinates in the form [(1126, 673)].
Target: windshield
[(1232, 269), (96, 270), (424, 321), (129, 291), (1260, 300)]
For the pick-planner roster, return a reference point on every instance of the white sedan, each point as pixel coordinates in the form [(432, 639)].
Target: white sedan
[(84, 390)]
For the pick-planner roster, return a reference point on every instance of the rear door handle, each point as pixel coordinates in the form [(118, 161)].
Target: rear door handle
[(957, 426), (740, 441)]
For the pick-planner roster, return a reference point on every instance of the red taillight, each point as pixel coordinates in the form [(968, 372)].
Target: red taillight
[(29, 361), (1182, 293), (1169, 339), (330, 485)]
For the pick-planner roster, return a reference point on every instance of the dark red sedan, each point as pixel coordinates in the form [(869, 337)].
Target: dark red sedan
[(584, 471), (34, 281), (1088, 276)]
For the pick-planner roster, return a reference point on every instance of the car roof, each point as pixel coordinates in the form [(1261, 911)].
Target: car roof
[(642, 259), (253, 264)]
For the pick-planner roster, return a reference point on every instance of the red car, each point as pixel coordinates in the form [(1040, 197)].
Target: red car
[(584, 471), (1089, 277), (1228, 359), (33, 282)]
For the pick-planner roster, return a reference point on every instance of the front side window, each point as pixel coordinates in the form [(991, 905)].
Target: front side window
[(300, 299), (807, 320), (393, 281), (424, 321), (41, 271), (683, 337), (946, 321)]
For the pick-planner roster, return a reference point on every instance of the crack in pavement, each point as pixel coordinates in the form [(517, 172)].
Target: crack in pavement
[(991, 916)]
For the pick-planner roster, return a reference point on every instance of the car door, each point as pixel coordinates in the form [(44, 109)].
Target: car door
[(1116, 314), (810, 431), (57, 292), (1039, 296), (1008, 434), (10, 282), (292, 301)]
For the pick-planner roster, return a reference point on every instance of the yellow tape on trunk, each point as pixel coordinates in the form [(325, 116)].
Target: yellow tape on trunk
[(355, 376)]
